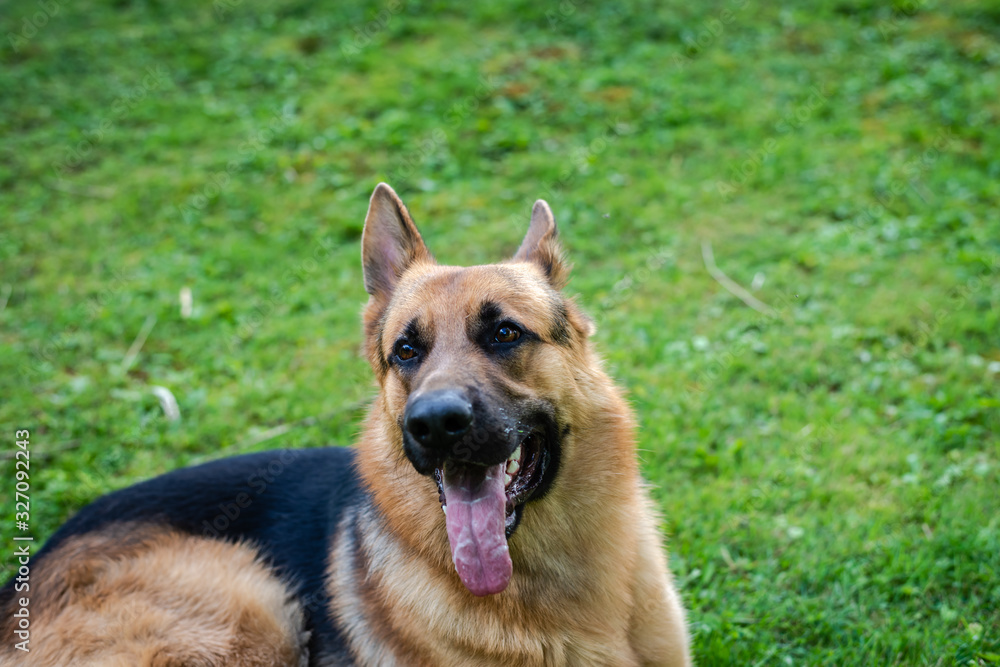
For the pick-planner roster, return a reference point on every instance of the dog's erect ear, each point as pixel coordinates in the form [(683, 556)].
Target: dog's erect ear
[(541, 247), (390, 242)]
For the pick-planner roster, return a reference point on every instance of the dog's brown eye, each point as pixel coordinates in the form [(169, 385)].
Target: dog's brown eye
[(405, 351), (507, 334)]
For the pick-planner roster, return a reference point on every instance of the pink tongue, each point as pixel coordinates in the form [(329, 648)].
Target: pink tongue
[(475, 501)]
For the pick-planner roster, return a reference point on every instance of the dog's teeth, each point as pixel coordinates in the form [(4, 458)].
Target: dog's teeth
[(507, 479), (516, 456), (444, 508), (513, 467)]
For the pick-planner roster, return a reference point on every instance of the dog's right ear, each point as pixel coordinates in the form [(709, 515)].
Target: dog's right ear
[(541, 245), (390, 242)]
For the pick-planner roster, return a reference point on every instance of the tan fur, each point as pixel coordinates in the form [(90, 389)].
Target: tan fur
[(590, 583), (138, 596)]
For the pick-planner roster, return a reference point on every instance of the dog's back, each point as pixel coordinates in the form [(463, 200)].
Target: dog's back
[(253, 527)]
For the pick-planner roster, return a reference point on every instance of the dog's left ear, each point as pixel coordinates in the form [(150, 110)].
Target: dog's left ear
[(390, 243), (541, 246)]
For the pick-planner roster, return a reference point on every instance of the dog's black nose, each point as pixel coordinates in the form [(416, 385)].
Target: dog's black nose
[(438, 420)]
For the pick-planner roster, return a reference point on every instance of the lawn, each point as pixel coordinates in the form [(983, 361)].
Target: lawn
[(827, 461)]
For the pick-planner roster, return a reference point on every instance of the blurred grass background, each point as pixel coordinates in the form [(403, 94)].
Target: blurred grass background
[(828, 472)]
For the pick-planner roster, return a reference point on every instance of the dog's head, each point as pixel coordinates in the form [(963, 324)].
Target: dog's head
[(474, 365)]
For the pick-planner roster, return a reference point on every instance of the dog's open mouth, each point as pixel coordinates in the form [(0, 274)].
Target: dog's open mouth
[(483, 506)]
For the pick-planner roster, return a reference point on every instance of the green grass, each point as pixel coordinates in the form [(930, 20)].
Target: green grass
[(828, 474)]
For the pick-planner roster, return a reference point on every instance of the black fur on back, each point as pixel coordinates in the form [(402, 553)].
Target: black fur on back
[(287, 502)]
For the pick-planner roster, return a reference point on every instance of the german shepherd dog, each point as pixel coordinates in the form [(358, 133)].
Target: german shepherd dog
[(492, 512)]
